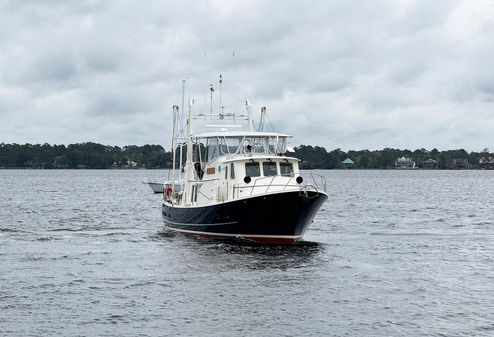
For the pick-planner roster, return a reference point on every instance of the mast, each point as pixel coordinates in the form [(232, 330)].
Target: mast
[(189, 162)]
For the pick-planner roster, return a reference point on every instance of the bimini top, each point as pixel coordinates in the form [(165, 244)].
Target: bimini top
[(236, 134)]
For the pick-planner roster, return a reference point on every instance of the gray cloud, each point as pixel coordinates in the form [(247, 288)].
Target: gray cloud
[(346, 74)]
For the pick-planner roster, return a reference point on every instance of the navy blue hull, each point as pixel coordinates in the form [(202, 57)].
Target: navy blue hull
[(272, 218)]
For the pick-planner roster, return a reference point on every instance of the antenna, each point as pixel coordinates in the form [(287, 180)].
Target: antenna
[(221, 107), (211, 90)]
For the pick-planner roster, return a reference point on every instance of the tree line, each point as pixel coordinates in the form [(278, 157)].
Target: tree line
[(97, 156), (318, 158), (83, 155)]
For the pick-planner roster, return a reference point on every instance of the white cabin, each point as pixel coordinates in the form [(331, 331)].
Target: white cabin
[(233, 165)]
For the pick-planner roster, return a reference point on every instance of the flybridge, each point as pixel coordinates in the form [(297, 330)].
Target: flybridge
[(246, 143)]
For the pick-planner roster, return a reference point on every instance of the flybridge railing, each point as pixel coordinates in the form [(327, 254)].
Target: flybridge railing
[(220, 116)]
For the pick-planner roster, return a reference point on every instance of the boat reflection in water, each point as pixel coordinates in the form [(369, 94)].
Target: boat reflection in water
[(243, 254)]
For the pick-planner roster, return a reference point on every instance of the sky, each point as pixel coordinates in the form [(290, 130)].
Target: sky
[(334, 73)]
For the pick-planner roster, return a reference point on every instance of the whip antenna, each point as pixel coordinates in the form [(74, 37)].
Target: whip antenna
[(211, 90), (221, 107)]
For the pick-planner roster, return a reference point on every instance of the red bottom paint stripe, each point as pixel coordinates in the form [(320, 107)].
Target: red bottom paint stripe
[(270, 239)]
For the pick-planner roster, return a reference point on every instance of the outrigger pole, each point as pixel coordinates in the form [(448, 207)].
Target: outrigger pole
[(174, 139)]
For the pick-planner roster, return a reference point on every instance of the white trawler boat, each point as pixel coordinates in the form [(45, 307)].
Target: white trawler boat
[(239, 184)]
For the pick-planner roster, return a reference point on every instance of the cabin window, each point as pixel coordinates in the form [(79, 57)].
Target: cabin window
[(286, 169), (229, 145), (232, 171), (269, 168), (252, 169), (212, 150), (226, 172)]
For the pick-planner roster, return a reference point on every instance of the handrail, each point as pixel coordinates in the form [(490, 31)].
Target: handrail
[(285, 186), (305, 189), (270, 183), (253, 186), (268, 186), (287, 183), (315, 182)]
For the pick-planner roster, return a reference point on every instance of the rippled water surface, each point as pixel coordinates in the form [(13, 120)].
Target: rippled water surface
[(392, 253)]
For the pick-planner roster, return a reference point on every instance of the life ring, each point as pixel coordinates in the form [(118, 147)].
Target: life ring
[(168, 191)]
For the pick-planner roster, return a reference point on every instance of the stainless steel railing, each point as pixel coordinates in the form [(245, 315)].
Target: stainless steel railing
[(314, 182)]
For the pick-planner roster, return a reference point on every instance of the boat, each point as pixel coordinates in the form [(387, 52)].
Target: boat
[(157, 187), (238, 182)]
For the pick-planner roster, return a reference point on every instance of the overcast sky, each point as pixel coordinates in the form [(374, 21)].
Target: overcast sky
[(339, 74)]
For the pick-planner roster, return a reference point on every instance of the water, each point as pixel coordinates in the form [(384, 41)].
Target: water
[(410, 253)]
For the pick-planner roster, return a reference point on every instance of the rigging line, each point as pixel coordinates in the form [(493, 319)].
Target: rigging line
[(271, 124)]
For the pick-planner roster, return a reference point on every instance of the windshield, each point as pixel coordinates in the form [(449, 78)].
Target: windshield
[(267, 145)]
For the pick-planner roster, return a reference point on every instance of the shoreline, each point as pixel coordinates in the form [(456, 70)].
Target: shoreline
[(304, 169)]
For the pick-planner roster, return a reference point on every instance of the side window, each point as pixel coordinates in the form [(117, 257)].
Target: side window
[(286, 169), (252, 169), (269, 168), (226, 172), (232, 171)]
